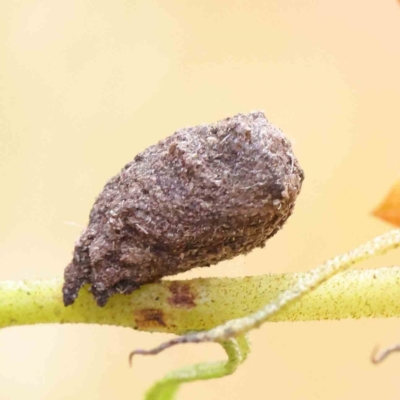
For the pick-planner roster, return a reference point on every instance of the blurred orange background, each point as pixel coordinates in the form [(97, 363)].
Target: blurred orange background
[(85, 85)]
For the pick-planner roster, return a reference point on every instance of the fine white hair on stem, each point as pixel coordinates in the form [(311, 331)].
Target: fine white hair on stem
[(378, 357), (305, 283), (75, 224)]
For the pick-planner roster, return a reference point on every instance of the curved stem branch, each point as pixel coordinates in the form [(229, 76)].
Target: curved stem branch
[(237, 350)]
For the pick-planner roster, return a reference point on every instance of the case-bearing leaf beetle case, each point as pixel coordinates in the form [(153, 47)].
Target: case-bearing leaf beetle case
[(205, 194)]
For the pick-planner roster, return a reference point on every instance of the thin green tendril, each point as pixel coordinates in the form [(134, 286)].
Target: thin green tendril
[(237, 350)]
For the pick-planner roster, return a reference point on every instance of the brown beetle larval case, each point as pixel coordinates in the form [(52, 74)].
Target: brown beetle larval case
[(205, 194)]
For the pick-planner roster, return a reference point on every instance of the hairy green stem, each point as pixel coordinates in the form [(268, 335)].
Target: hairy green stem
[(303, 285), (199, 304)]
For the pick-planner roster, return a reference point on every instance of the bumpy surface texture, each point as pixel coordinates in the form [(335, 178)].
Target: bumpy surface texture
[(205, 194)]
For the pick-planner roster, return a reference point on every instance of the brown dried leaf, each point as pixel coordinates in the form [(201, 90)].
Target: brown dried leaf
[(389, 209)]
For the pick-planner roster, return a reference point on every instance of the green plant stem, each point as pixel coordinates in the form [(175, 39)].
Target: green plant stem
[(199, 304), (237, 350)]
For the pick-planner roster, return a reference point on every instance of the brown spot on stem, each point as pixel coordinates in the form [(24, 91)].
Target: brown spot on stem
[(149, 318), (182, 295)]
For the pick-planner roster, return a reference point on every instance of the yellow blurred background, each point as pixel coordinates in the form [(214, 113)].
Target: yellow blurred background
[(85, 85)]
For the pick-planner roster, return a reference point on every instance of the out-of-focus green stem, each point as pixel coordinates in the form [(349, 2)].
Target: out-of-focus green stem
[(199, 304), (237, 350)]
